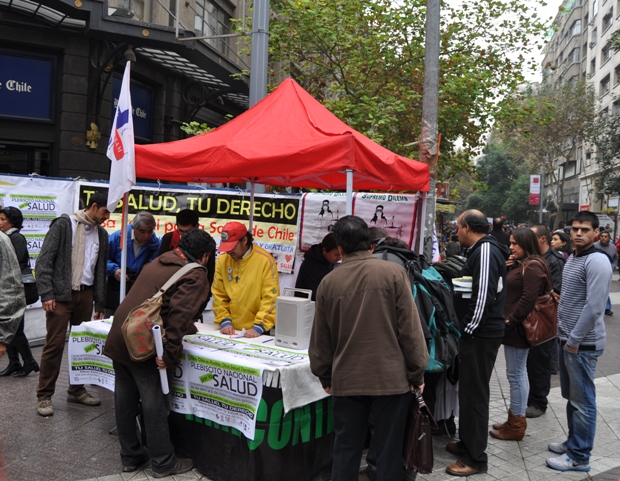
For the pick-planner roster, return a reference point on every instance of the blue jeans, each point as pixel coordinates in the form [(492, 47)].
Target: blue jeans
[(577, 386), (516, 371)]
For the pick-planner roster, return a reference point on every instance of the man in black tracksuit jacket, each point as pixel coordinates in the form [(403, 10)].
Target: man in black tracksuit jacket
[(482, 315)]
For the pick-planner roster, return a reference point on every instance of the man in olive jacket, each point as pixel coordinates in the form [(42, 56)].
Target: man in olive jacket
[(368, 350)]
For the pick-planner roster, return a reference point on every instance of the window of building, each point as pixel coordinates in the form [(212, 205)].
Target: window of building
[(604, 88), (593, 38), (575, 28), (573, 56), (603, 114), (615, 108), (605, 53), (594, 8), (592, 66), (608, 19), (588, 158), (617, 74), (586, 19), (211, 19)]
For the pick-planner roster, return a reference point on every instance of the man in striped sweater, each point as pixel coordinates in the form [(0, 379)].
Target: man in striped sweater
[(581, 329), (482, 315)]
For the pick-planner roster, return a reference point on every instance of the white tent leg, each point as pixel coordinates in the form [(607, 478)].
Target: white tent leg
[(349, 192), (252, 185)]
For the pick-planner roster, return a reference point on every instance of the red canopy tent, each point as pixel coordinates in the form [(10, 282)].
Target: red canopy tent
[(287, 139)]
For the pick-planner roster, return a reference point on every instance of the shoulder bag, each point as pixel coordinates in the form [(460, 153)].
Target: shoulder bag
[(541, 325), (418, 446), (138, 327)]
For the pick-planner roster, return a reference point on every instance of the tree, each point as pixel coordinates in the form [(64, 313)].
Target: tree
[(364, 61), (500, 191), (544, 126), (605, 135)]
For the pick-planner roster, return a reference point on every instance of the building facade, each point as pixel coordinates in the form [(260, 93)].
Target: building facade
[(580, 50), (61, 65)]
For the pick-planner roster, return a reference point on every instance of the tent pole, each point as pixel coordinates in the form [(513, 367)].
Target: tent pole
[(349, 192), (124, 247), (252, 185)]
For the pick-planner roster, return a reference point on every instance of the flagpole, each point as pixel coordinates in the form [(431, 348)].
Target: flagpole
[(124, 247)]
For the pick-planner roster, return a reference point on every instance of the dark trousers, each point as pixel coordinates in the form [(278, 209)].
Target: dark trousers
[(74, 312), (134, 386), (539, 373), (351, 414), (19, 346), (476, 360)]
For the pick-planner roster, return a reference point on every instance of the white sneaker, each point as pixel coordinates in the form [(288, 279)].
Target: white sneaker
[(557, 448), (564, 463)]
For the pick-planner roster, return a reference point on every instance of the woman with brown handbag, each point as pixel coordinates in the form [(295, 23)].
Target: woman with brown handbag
[(526, 281)]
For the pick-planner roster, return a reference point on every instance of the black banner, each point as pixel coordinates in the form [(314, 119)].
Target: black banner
[(292, 447)]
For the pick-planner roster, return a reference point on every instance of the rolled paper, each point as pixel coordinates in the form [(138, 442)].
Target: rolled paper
[(159, 350)]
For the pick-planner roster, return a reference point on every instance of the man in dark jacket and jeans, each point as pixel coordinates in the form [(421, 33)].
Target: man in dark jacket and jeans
[(139, 382), (482, 312), (71, 274), (368, 350)]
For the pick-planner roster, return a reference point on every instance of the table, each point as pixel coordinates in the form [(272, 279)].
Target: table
[(291, 437)]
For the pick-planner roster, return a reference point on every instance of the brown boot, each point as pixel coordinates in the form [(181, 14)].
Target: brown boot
[(513, 430), (498, 426)]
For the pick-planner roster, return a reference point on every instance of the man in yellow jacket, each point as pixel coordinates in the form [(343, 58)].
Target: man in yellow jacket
[(245, 285)]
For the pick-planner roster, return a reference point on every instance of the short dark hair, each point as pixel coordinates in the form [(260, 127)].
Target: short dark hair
[(187, 217), (394, 242), (197, 243), (352, 234), (527, 240), (14, 216), (377, 233), (498, 223), (586, 216), (329, 243), (542, 230), (455, 238), (599, 234), (475, 221), (98, 198)]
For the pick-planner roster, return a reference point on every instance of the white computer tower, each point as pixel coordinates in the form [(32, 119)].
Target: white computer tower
[(294, 317)]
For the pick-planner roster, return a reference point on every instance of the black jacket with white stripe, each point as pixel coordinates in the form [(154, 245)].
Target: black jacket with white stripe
[(482, 314)]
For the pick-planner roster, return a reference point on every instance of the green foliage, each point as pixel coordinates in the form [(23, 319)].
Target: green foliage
[(543, 127), (195, 128), (605, 134), (506, 186), (364, 60)]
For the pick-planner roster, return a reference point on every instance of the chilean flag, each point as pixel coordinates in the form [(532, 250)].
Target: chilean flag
[(121, 147)]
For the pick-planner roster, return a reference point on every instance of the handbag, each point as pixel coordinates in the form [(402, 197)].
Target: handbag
[(541, 325), (30, 288), (138, 326), (418, 446)]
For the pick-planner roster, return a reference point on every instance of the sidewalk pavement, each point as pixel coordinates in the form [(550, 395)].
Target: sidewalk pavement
[(75, 443)]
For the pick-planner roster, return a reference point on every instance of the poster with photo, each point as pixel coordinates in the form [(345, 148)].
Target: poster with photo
[(319, 213)]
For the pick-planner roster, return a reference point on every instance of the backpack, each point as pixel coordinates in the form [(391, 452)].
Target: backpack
[(138, 327), (434, 301)]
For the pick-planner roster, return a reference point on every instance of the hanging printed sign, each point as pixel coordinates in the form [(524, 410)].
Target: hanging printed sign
[(275, 216), (224, 392), (87, 364)]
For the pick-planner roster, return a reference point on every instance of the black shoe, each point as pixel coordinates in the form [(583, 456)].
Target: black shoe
[(134, 467), (29, 366), (13, 366), (455, 448), (180, 467), (608, 312)]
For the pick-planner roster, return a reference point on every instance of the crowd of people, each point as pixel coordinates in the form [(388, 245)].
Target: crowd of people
[(369, 345)]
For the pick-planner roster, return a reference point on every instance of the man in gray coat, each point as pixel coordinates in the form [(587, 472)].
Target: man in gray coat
[(71, 274), (368, 350)]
